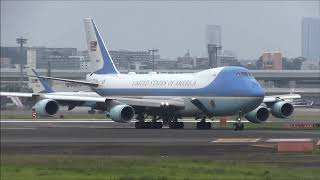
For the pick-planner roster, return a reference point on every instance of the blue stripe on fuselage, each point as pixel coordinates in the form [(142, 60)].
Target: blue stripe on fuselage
[(226, 84)]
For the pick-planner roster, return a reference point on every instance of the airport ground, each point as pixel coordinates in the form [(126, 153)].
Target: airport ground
[(300, 114), (105, 150)]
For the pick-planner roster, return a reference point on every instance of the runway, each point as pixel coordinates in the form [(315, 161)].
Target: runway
[(114, 139)]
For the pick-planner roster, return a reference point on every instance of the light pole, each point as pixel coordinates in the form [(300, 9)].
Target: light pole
[(153, 51), (21, 41)]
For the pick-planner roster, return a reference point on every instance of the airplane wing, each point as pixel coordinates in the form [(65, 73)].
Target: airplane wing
[(285, 97), (16, 94), (156, 103), (141, 102)]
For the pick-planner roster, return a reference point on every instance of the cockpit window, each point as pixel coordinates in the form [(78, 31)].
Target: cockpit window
[(243, 74)]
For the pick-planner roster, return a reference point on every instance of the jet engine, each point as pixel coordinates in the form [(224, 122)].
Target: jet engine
[(46, 107), (121, 113), (281, 109), (259, 115)]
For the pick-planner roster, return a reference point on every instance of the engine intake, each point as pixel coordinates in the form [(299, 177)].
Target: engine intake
[(259, 115), (46, 107), (121, 113), (282, 109)]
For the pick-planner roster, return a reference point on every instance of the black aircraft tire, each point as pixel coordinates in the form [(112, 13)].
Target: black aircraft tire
[(171, 125), (198, 125), (241, 127), (147, 125), (208, 125), (176, 125), (157, 125), (203, 125), (180, 125), (138, 125), (235, 127)]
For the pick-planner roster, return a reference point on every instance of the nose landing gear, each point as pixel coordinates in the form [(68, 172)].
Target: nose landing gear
[(238, 126)]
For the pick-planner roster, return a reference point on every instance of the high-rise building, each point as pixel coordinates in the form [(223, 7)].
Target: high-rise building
[(311, 38), (213, 44), (213, 35)]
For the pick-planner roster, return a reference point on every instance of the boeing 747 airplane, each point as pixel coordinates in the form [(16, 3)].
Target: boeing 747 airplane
[(223, 91)]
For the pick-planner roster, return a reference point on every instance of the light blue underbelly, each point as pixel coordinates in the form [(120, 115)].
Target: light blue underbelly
[(222, 106)]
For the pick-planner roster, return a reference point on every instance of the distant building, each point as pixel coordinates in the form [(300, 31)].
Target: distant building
[(202, 63), (15, 54), (58, 58), (213, 35), (125, 58), (311, 38), (228, 58), (185, 62), (165, 64), (213, 44), (85, 64), (272, 60), (5, 63)]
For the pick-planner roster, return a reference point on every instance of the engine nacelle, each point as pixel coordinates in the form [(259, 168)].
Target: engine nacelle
[(121, 113), (46, 107), (282, 109), (259, 115)]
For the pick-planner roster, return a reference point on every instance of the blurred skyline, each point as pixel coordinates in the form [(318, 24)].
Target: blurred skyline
[(248, 27)]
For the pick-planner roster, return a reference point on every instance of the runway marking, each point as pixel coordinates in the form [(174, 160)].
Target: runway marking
[(18, 128), (290, 140), (236, 140), (264, 145)]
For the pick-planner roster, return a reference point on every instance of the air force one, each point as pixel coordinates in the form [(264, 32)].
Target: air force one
[(166, 98)]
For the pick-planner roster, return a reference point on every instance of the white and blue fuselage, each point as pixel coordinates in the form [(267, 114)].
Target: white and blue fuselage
[(225, 90)]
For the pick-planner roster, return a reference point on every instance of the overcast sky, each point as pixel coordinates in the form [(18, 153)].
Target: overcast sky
[(248, 27)]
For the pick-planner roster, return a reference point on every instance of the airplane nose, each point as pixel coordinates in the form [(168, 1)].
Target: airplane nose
[(256, 89)]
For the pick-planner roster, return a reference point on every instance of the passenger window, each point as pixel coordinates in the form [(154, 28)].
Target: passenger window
[(243, 74)]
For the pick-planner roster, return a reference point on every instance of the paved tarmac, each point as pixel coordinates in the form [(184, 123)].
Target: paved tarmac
[(98, 138)]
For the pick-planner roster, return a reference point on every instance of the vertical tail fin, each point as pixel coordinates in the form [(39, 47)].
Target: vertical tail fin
[(38, 85), (100, 58)]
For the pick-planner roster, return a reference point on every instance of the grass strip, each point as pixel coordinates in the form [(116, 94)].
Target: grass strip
[(49, 167)]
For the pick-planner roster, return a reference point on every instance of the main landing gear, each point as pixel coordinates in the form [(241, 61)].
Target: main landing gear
[(174, 124), (238, 126), (172, 121), (141, 124), (203, 124)]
